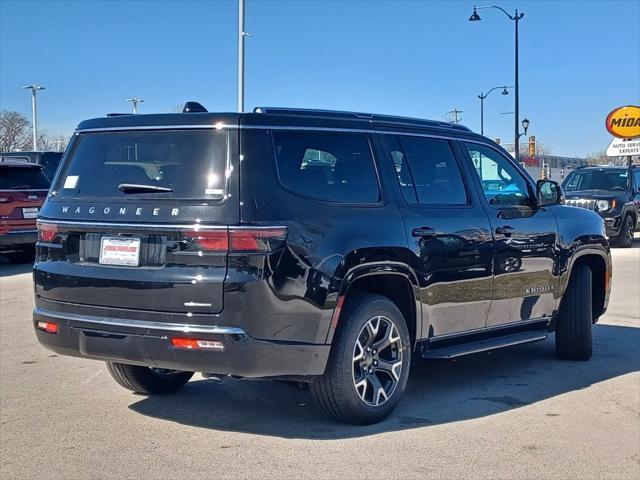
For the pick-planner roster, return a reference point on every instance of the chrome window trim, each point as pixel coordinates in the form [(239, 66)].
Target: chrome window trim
[(142, 324), (274, 127), (159, 225), (156, 127)]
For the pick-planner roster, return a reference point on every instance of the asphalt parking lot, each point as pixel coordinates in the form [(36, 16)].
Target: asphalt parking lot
[(518, 413)]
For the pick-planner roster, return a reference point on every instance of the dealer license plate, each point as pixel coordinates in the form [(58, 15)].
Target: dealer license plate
[(31, 212), (120, 251)]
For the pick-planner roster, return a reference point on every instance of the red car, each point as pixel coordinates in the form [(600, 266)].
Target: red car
[(23, 188)]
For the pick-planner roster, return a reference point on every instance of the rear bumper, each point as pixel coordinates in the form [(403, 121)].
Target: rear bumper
[(18, 239), (149, 344)]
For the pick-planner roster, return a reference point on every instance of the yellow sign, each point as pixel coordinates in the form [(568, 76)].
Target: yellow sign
[(624, 122), (532, 146)]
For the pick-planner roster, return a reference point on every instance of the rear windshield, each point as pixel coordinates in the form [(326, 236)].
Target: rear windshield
[(21, 178), (183, 164), (597, 180)]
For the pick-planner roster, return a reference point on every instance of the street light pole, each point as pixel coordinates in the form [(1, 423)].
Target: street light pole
[(516, 18), (482, 96), (34, 112), (241, 35), (135, 101)]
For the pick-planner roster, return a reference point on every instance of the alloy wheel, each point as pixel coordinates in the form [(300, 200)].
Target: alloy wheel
[(377, 361)]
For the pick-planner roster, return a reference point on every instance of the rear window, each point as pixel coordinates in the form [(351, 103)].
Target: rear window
[(328, 166), (21, 178), (183, 164)]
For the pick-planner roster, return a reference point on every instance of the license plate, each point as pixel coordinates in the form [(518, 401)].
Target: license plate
[(31, 212), (120, 251)]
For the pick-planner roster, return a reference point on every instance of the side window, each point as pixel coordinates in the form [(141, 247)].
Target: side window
[(636, 176), (502, 183), (329, 166), (427, 171)]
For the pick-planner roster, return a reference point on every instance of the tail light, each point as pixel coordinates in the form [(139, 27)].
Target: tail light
[(5, 199), (47, 232), (211, 241), (256, 239), (238, 240)]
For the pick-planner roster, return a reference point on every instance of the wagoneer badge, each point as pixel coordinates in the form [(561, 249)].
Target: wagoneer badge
[(106, 210)]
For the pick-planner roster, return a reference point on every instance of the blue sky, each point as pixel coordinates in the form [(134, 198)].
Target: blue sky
[(578, 60)]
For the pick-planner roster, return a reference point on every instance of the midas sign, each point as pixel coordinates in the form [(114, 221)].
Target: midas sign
[(624, 122)]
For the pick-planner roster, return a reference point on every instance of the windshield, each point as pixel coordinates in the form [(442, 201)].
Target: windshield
[(22, 178), (597, 180), (169, 164)]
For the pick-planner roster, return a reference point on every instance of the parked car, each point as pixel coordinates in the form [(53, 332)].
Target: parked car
[(319, 247), (611, 192), (23, 188), (48, 160)]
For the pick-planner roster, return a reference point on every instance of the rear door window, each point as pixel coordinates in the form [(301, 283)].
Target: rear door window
[(22, 178), (184, 164), (427, 171), (329, 166)]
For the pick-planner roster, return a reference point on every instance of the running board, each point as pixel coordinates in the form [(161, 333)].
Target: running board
[(459, 350)]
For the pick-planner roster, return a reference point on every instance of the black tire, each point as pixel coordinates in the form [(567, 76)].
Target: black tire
[(336, 392), (22, 256), (573, 330), (149, 381), (625, 239)]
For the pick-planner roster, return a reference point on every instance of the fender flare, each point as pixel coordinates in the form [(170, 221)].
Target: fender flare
[(582, 252), (377, 268)]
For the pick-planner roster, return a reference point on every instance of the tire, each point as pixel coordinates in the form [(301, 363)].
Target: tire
[(573, 330), (22, 256), (346, 390), (148, 381), (625, 239)]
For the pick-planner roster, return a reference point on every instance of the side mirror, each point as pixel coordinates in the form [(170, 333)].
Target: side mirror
[(548, 193)]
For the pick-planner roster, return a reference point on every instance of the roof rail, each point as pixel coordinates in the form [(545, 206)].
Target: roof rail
[(358, 115)]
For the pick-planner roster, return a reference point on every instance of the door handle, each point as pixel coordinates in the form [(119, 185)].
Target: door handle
[(423, 232), (505, 230)]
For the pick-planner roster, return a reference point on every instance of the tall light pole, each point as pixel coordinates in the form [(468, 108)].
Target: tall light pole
[(34, 112), (241, 35), (482, 96), (135, 101), (516, 19)]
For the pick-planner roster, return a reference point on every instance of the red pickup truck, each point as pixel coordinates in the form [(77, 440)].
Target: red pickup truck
[(23, 188)]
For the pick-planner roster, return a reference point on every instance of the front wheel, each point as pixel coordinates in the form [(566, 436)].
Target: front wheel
[(369, 362), (573, 331), (147, 380), (625, 239)]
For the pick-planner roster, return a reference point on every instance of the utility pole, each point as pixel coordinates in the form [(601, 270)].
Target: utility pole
[(241, 35), (34, 112), (135, 101), (455, 118)]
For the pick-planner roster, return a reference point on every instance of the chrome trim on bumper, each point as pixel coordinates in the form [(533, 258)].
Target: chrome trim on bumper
[(142, 324)]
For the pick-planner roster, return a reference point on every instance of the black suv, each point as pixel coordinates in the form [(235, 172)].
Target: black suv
[(318, 247), (612, 192)]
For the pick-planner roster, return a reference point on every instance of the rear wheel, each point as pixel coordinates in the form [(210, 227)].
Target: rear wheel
[(22, 256), (625, 239), (369, 362), (147, 380), (573, 331)]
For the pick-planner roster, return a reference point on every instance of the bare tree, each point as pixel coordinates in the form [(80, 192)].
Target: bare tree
[(543, 149), (15, 131), (601, 158), (52, 142)]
